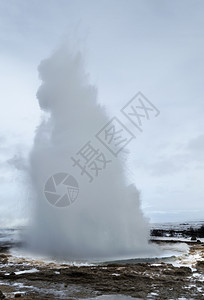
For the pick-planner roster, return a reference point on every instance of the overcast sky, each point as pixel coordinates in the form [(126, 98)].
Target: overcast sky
[(152, 46)]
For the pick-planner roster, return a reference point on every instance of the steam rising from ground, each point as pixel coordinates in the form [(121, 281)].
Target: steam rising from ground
[(105, 221)]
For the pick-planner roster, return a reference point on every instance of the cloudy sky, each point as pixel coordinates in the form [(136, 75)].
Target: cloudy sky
[(152, 46)]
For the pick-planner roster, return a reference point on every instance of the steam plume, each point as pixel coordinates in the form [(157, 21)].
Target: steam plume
[(106, 220)]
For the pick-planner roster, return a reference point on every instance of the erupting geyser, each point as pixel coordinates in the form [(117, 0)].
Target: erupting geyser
[(105, 221)]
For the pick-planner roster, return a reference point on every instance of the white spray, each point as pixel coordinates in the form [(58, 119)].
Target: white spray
[(105, 221)]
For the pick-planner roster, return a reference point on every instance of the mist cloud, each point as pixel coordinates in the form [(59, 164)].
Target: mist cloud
[(106, 220)]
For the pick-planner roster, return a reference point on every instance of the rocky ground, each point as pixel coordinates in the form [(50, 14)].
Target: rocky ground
[(188, 232), (37, 280)]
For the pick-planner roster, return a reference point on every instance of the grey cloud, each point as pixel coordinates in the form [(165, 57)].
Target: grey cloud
[(197, 144)]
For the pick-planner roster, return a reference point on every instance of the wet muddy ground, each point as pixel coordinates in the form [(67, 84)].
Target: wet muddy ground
[(31, 279)]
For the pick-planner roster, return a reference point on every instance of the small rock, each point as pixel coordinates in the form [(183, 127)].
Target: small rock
[(200, 266), (1, 295), (17, 295), (3, 258), (4, 261), (12, 274)]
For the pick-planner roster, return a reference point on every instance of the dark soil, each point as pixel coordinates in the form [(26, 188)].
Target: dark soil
[(140, 280)]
